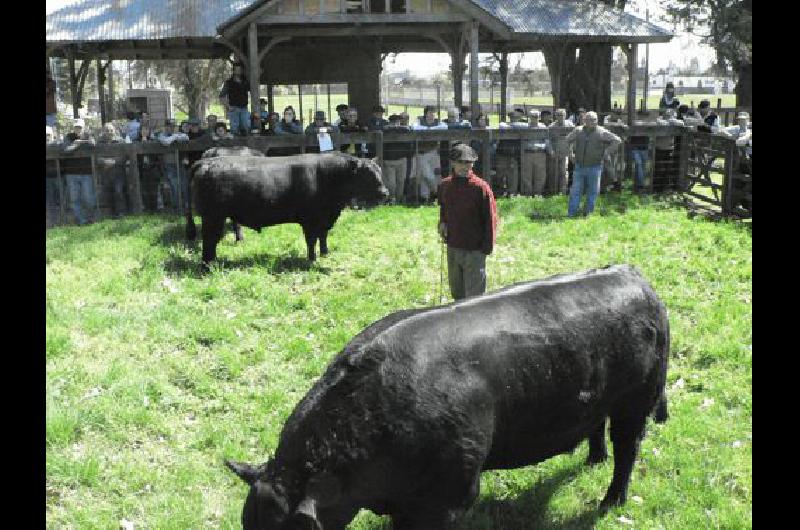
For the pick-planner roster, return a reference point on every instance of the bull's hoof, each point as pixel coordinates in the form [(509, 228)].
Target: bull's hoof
[(323, 252), (593, 460), (612, 500)]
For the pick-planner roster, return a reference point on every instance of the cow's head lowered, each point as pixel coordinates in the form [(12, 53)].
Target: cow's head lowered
[(368, 183), (272, 505)]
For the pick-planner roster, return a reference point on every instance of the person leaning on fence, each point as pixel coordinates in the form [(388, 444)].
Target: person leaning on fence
[(221, 132), (78, 172), (483, 168), (341, 111), (427, 163), (593, 145), (211, 124), (395, 160), (234, 98), (467, 224), (744, 141), (466, 113), (665, 169), (351, 125), (558, 149), (508, 156), (316, 127), (533, 174), (113, 169), (176, 175)]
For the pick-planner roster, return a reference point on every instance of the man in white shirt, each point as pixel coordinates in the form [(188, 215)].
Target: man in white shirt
[(534, 159), (427, 169), (741, 132)]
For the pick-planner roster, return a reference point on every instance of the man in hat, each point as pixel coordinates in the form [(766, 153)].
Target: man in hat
[(319, 123), (376, 122), (467, 223), (234, 97)]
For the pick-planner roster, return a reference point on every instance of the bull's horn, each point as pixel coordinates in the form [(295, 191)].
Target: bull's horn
[(244, 471)]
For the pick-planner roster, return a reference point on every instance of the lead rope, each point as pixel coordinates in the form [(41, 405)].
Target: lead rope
[(441, 272)]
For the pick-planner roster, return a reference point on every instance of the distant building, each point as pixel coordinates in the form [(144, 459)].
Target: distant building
[(692, 84)]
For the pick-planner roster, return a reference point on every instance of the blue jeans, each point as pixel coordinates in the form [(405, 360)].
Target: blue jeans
[(639, 160), (81, 189), (584, 177), (175, 179), (50, 119), (240, 120)]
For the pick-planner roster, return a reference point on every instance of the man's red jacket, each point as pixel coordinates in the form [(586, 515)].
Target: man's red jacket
[(467, 207)]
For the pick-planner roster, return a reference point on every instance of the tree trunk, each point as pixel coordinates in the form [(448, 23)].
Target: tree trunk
[(586, 81), (744, 86)]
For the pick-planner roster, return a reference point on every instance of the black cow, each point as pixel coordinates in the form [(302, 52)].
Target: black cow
[(310, 189), (417, 405), (234, 150)]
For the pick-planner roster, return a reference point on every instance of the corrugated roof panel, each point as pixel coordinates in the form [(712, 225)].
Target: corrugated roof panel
[(100, 20), (569, 18)]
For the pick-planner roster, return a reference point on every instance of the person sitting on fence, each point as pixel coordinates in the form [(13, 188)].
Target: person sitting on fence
[(341, 110), (395, 160), (78, 172), (466, 113), (559, 149), (211, 124), (132, 130), (454, 122), (376, 122), (175, 174), (234, 99), (482, 123), (593, 146), (221, 132), (508, 155), (668, 99), (351, 125), (427, 162), (707, 121), (533, 174)]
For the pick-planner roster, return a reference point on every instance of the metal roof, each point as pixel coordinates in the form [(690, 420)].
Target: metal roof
[(569, 18), (112, 20), (109, 20)]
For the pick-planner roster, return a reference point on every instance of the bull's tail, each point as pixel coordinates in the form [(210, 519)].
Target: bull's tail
[(191, 229), (660, 414)]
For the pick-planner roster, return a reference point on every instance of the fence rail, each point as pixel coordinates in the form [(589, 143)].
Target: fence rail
[(677, 159)]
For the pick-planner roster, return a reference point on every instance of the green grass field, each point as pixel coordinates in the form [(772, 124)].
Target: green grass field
[(156, 372)]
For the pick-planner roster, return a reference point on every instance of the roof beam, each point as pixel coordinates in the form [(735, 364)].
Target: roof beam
[(339, 18)]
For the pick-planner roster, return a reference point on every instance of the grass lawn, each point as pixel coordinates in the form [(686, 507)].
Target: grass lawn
[(156, 372)]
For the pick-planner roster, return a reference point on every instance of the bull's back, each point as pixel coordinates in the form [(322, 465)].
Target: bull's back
[(537, 365)]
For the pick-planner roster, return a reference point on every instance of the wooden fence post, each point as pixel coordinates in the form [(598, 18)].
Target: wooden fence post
[(727, 190), (134, 182), (62, 199), (683, 162), (95, 183)]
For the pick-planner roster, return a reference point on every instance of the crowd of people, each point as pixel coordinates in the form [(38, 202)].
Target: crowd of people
[(562, 159)]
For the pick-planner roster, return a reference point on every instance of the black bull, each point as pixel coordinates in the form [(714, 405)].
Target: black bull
[(417, 405), (310, 190)]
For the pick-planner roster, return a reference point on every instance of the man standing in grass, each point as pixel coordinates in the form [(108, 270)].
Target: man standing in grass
[(467, 223), (593, 145)]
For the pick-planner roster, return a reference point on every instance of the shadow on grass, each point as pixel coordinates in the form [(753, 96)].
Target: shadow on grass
[(183, 266), (529, 510)]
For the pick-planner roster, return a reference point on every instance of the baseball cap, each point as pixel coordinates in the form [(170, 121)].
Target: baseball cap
[(463, 153), (319, 115)]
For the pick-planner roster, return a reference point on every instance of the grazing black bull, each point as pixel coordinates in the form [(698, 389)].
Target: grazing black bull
[(419, 403), (234, 150), (310, 189)]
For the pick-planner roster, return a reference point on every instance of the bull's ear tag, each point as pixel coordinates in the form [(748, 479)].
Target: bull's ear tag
[(244, 471)]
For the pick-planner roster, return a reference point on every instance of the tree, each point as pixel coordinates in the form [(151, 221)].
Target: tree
[(196, 81), (727, 26)]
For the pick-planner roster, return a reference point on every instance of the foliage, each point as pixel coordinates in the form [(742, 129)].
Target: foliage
[(156, 372)]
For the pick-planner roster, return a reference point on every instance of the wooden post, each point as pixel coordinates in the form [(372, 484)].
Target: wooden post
[(96, 184), (255, 69), (270, 98), (631, 95), (485, 155), (727, 190), (503, 85), (652, 172), (300, 96), (473, 69), (379, 146), (134, 183), (110, 100), (62, 199), (330, 116), (683, 162), (179, 206), (101, 92), (73, 86)]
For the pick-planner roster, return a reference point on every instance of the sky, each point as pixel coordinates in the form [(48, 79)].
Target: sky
[(681, 49)]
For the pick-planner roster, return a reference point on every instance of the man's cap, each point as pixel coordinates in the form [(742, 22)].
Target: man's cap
[(319, 115), (378, 108), (78, 123), (341, 106), (463, 153), (744, 115)]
